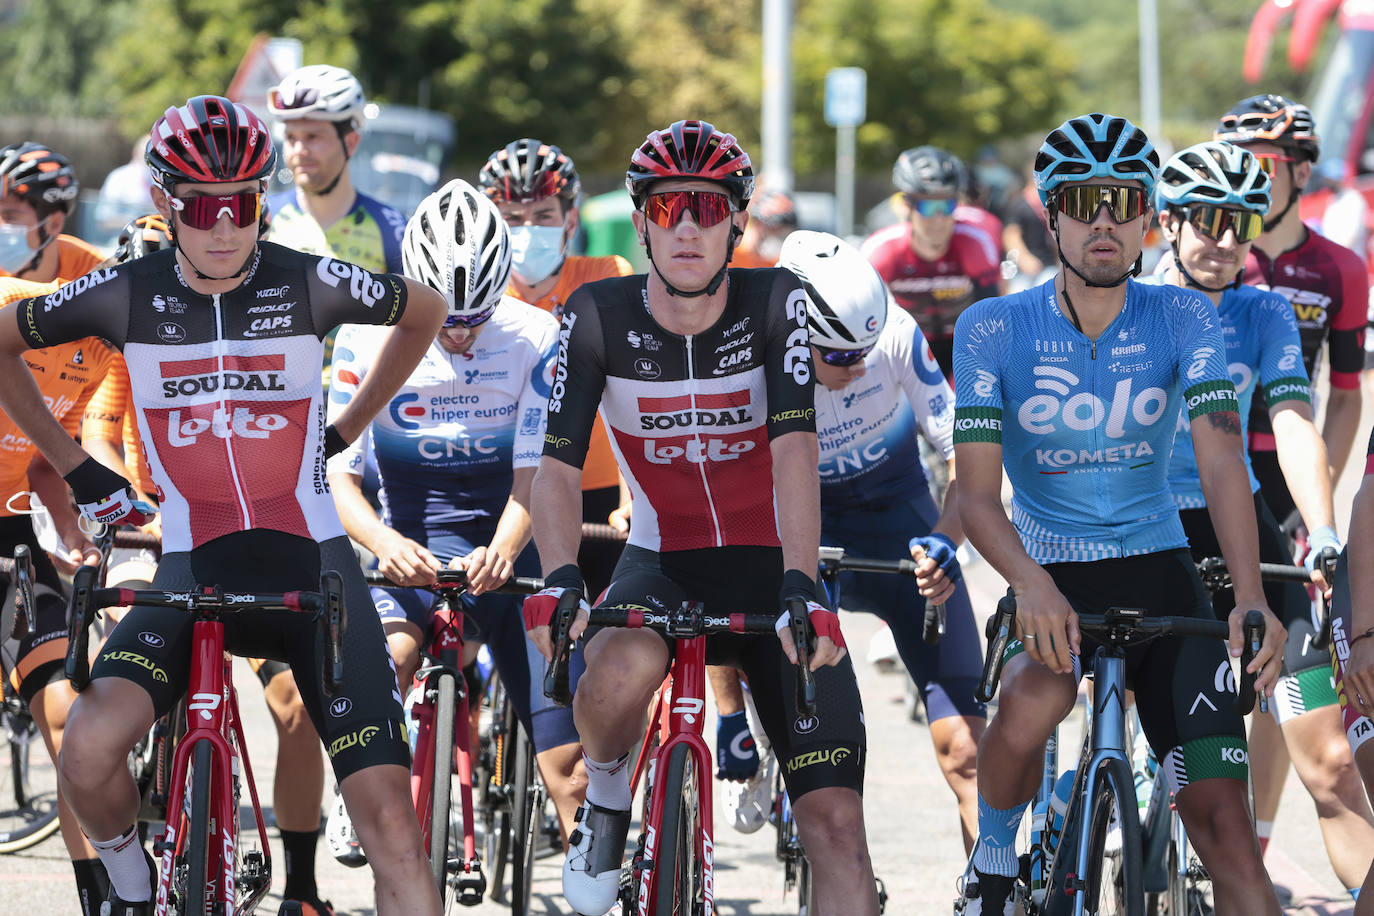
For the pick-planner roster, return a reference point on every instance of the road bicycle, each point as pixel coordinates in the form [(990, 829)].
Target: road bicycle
[(1097, 865), (443, 750), (672, 871), (204, 867)]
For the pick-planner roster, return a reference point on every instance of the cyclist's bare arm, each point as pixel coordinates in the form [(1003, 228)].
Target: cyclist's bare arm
[(1359, 667), (1338, 429), (400, 559), (490, 566), (1301, 451), (1041, 610), (52, 490), (1226, 486), (405, 346), (557, 491)]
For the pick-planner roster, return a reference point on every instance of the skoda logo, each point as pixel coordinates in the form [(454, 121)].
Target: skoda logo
[(148, 638), (805, 725), (171, 332), (647, 368), (340, 707)]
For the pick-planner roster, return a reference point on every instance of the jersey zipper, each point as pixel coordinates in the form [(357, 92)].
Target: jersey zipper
[(701, 446), (223, 411)]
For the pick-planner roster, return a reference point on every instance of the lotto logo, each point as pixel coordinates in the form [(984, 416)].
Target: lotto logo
[(242, 423), (362, 285)]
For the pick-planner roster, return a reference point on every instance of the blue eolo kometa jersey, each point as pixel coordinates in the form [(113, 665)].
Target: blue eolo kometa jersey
[(1262, 347), (449, 440), (1086, 426), (867, 430)]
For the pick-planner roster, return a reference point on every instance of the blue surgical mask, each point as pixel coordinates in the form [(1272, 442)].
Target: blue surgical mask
[(14, 248), (536, 251)]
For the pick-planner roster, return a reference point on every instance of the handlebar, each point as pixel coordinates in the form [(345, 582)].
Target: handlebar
[(833, 560), (1216, 577), (457, 579), (326, 606), (1127, 626), (21, 568)]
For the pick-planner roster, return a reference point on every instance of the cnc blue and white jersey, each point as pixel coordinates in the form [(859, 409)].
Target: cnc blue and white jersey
[(447, 443), (1086, 426), (867, 430), (1262, 345)]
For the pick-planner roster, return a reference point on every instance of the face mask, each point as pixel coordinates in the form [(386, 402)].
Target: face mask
[(536, 251), (14, 248)]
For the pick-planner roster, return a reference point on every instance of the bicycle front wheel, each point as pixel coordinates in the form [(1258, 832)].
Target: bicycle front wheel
[(445, 708), (679, 887), (527, 821), (191, 867), (1114, 883), (28, 803), (499, 783)]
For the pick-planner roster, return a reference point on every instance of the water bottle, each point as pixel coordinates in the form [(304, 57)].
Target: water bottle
[(416, 695), (1037, 852), (1054, 817), (1144, 767)]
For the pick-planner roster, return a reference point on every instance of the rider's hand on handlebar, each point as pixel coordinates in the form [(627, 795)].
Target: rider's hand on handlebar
[(1268, 662), (539, 608), (937, 566), (1318, 540), (486, 567), (1047, 626), (404, 561), (830, 648)]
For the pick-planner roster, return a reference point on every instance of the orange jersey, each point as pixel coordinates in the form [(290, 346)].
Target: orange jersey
[(748, 257), (599, 470), (75, 257), (67, 376), (110, 417)]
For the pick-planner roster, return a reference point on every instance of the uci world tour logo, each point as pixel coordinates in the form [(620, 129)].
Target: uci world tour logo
[(405, 413)]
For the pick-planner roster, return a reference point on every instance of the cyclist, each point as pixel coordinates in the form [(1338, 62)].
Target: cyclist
[(934, 263), (1352, 652), (1329, 290), (713, 417), (246, 318), (878, 381), (456, 479), (1074, 385), (1216, 188), (535, 186), (772, 215)]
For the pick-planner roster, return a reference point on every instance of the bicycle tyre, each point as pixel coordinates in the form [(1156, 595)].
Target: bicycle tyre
[(437, 826), (527, 820), (1121, 892), (194, 860), (28, 816), (805, 901), (678, 884), (498, 793)]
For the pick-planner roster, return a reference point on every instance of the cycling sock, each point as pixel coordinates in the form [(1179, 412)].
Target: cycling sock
[(608, 784), (737, 756), (1264, 830), (92, 884), (299, 846), (995, 853), (126, 865)]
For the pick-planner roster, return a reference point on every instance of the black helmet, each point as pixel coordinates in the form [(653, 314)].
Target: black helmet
[(40, 176), (529, 170), (1271, 119), (929, 170), (143, 235)]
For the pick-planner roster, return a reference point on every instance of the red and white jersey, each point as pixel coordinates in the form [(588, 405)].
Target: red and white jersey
[(936, 292), (226, 387)]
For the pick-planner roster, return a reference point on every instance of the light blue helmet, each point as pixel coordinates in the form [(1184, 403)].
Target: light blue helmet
[(1215, 172), (1095, 146)]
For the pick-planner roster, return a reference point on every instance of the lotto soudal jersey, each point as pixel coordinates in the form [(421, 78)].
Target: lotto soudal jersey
[(1328, 288), (1262, 353), (448, 441), (226, 387), (935, 292), (690, 417), (369, 235), (1086, 425), (867, 430)]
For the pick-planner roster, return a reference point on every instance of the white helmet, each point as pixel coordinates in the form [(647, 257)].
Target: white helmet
[(321, 92), (848, 301), (458, 243)]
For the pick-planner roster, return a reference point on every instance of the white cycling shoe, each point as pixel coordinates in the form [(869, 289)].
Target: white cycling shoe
[(748, 804), (341, 837), (596, 851)]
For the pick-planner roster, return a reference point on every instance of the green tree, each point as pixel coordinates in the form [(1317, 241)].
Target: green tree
[(46, 54)]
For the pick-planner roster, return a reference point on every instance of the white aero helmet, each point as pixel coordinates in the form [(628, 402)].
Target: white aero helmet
[(321, 92), (458, 243), (848, 301)]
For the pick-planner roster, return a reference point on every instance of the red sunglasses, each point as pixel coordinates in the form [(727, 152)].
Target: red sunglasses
[(708, 208), (243, 208)]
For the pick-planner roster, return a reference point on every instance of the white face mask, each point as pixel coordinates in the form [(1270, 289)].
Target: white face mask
[(14, 248), (536, 252)]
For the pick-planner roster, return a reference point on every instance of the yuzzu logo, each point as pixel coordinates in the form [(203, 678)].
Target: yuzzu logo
[(405, 413)]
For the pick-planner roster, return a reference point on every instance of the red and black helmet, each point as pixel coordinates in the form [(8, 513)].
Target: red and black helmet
[(209, 139), (528, 170), (690, 149), (43, 178), (1271, 119)]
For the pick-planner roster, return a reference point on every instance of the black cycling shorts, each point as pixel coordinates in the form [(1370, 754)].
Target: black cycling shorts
[(814, 752), (37, 660), (361, 727)]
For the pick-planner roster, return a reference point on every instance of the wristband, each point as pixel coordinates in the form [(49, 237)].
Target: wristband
[(919, 540), (796, 582), (565, 576), (334, 442), (91, 481), (1354, 639)]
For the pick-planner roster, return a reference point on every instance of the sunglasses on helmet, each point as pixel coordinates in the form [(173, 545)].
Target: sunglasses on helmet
[(832, 357), (243, 208), (304, 99), (1213, 221), (1269, 162), (933, 206), (708, 208), (1082, 202), (469, 321)]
